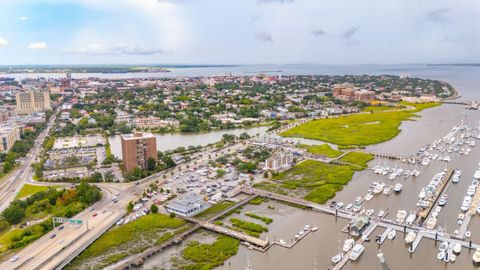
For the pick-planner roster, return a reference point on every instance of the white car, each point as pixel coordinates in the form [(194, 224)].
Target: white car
[(14, 259)]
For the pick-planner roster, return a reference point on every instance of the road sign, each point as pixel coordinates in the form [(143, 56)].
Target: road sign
[(68, 220)]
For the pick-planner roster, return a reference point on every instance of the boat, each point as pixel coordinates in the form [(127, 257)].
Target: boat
[(467, 200), (401, 215), (356, 252), (391, 234), (337, 258), (381, 213), (468, 234), (369, 212), (348, 244), (314, 229), (431, 223), (478, 210), (378, 188), (443, 200), (339, 205), (398, 187), (410, 237), (452, 257), (411, 218), (457, 248), (349, 206), (422, 194), (368, 197), (441, 255), (443, 246), (476, 256)]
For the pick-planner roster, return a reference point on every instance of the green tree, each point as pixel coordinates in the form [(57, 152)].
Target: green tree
[(151, 164), (154, 208), (14, 213)]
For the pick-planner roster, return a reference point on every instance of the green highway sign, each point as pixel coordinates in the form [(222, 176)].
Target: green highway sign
[(68, 220)]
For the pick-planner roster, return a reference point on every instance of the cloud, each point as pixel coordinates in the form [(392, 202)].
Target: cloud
[(318, 33), (264, 36), (348, 35), (438, 16), (120, 49), (23, 18), (38, 45), (275, 1), (3, 42)]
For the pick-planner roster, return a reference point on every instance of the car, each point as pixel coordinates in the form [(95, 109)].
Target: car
[(61, 227), (53, 236), (14, 259), (95, 214), (104, 211), (92, 209)]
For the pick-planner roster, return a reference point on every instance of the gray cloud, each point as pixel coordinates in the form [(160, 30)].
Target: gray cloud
[(348, 36), (120, 49), (438, 16), (254, 18), (264, 36), (318, 33), (274, 1)]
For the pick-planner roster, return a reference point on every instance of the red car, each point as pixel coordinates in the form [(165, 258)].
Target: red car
[(95, 214)]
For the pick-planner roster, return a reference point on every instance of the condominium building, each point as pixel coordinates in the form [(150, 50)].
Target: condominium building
[(278, 162), (137, 148), (29, 102), (9, 134)]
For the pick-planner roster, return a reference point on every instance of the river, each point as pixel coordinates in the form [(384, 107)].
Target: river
[(170, 141)]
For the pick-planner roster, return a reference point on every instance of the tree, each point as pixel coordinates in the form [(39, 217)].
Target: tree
[(88, 194), (220, 173), (130, 207), (97, 177), (154, 208), (14, 213), (168, 161), (151, 164)]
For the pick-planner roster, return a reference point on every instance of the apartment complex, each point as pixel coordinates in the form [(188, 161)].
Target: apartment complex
[(155, 122), (278, 162), (137, 148), (29, 102), (9, 134), (348, 92)]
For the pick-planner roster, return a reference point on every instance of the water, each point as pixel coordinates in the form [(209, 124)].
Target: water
[(172, 141)]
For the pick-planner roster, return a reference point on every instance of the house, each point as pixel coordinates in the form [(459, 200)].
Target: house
[(188, 205), (359, 225)]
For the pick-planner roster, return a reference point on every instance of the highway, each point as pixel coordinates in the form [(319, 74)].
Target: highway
[(11, 185), (53, 253)]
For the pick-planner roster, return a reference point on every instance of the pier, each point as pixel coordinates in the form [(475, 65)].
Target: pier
[(424, 213)]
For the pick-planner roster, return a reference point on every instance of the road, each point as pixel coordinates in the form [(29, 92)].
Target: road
[(50, 253), (11, 185)]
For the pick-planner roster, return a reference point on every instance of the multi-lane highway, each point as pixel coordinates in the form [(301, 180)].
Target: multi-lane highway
[(54, 252), (10, 186)]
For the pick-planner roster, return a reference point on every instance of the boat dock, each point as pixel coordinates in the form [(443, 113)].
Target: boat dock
[(415, 243), (384, 235)]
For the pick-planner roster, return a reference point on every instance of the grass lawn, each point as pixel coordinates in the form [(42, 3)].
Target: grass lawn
[(214, 209), (31, 189), (315, 180), (250, 228), (357, 158), (375, 109), (359, 129), (130, 232), (265, 220), (209, 256), (322, 149)]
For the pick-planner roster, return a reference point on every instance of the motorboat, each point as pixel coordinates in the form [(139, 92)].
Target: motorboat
[(411, 218), (339, 205), (457, 248), (398, 187), (337, 258), (443, 246), (452, 257), (378, 188), (466, 203), (348, 244), (443, 200), (431, 223), (410, 237), (441, 255), (391, 234), (356, 252), (381, 213), (368, 197), (422, 194), (349, 206), (314, 229), (369, 212), (401, 215), (476, 256)]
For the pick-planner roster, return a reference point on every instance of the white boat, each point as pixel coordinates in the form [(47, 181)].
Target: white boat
[(349, 206), (457, 248), (369, 212), (368, 197), (467, 200), (411, 218), (468, 234), (431, 223), (422, 194), (425, 161), (348, 244), (452, 257), (441, 255), (356, 252), (476, 256), (401, 215), (398, 187), (443, 246), (381, 213), (314, 229), (391, 234), (443, 200), (411, 235), (378, 188), (337, 258)]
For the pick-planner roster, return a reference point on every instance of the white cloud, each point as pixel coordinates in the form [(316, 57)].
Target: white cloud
[(38, 45), (119, 49), (23, 18), (3, 42)]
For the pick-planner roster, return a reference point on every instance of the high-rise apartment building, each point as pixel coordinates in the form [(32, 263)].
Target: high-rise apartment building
[(29, 102), (137, 148), (9, 134)]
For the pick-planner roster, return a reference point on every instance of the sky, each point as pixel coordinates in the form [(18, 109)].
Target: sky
[(239, 31)]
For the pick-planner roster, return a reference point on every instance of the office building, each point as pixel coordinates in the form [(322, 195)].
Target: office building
[(29, 102), (188, 205), (9, 134), (137, 148)]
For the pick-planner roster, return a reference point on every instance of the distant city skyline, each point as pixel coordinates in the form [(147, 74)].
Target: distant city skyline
[(67, 32)]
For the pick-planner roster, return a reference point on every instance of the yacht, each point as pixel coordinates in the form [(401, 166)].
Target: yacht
[(349, 206), (381, 213), (425, 161), (422, 194), (348, 244), (368, 197), (457, 248), (466, 203), (378, 188), (356, 252), (443, 200), (391, 234), (431, 223), (411, 218), (398, 187), (443, 246), (337, 258), (369, 212), (410, 237), (401, 215)]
